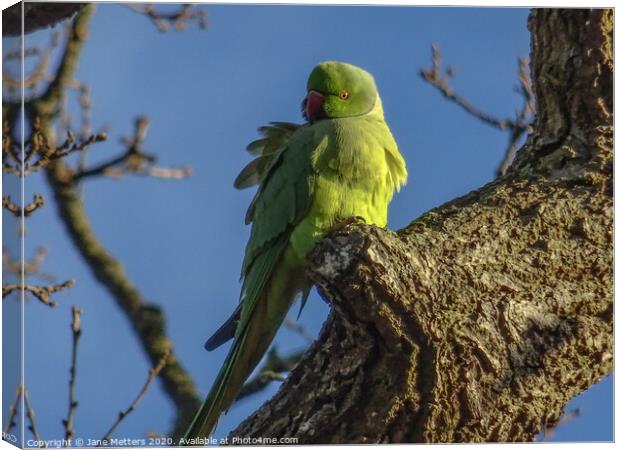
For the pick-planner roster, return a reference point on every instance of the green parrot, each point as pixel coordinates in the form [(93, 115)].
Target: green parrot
[(342, 163)]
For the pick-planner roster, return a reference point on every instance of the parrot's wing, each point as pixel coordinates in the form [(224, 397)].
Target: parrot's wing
[(276, 137), (282, 200)]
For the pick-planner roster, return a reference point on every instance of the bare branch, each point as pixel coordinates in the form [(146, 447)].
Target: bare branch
[(178, 20), (10, 206), (37, 74), (152, 375), (42, 293), (272, 370), (48, 104), (441, 82), (39, 149), (524, 116), (517, 127), (30, 414), (48, 153), (76, 333), (147, 319), (13, 410), (31, 207), (134, 160)]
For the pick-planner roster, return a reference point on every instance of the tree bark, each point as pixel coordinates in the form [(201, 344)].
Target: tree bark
[(36, 16), (484, 317)]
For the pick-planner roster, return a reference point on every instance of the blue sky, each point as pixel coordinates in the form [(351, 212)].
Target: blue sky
[(182, 242)]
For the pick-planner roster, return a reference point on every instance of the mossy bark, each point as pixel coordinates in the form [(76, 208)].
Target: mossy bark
[(482, 318)]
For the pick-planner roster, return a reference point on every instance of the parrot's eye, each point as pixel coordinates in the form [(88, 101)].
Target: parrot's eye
[(343, 95)]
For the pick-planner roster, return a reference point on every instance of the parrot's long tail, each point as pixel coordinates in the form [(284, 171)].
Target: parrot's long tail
[(248, 348)]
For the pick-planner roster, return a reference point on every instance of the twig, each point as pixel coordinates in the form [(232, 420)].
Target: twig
[(76, 332), (13, 410), (146, 319), (270, 371), (39, 149), (31, 207), (441, 82), (134, 160), (30, 414), (178, 19), (40, 292), (523, 119), (152, 375), (38, 73), (517, 127), (48, 153)]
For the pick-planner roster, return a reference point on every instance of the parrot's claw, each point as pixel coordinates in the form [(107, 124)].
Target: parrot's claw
[(348, 221)]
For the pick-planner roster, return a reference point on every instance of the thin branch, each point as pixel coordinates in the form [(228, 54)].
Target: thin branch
[(48, 153), (42, 293), (39, 149), (13, 410), (76, 333), (134, 160), (30, 414), (524, 116), (123, 414), (441, 81), (517, 127), (178, 19), (272, 370), (31, 207), (146, 319), (38, 73), (10, 206), (48, 104)]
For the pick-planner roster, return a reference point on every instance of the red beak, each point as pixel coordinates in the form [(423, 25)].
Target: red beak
[(314, 105)]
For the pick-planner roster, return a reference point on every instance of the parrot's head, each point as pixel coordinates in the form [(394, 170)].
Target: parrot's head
[(337, 89)]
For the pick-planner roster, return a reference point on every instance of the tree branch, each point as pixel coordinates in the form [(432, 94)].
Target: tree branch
[(134, 160), (442, 83), (179, 19), (13, 410), (76, 332), (31, 207), (42, 293), (30, 415), (517, 127), (147, 320), (485, 316), (121, 415)]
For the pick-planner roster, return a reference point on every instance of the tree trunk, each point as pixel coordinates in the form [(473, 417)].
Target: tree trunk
[(485, 316)]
